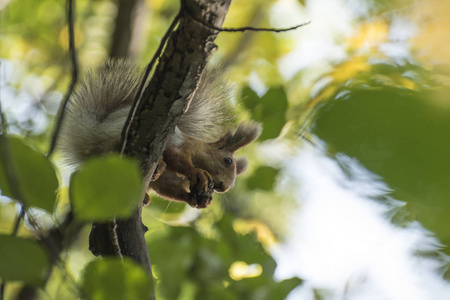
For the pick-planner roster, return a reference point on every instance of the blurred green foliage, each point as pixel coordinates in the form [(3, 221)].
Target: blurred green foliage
[(115, 279), (263, 178), (26, 175), (401, 135), (106, 187), (269, 110), (23, 260), (189, 263)]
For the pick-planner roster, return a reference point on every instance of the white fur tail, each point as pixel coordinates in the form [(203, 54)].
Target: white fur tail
[(99, 106), (97, 111)]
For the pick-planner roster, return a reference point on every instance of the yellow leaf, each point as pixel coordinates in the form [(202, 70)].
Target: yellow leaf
[(369, 35), (350, 69)]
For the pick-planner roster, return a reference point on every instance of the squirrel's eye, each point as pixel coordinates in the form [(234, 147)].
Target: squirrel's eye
[(228, 161)]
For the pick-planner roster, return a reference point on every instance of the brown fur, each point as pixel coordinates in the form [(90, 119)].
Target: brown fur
[(196, 169)]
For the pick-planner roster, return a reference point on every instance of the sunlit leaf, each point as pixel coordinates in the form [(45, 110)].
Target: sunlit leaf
[(240, 270), (116, 279), (106, 187), (22, 260), (31, 173)]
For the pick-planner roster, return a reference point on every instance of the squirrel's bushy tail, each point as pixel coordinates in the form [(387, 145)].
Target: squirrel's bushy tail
[(97, 110), (210, 111), (99, 106)]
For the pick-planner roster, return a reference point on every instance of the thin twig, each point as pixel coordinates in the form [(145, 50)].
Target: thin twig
[(32, 221), (137, 99), (242, 29), (18, 220), (250, 28), (70, 20), (3, 128)]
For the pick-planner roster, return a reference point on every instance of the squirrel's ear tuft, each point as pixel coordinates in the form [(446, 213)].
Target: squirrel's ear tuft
[(244, 135), (241, 166)]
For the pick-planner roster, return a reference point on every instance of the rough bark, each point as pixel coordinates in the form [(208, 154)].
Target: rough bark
[(175, 79)]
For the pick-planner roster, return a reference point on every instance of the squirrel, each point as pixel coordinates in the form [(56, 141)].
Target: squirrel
[(198, 159)]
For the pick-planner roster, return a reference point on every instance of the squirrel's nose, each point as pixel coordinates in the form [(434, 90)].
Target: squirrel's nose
[(218, 186)]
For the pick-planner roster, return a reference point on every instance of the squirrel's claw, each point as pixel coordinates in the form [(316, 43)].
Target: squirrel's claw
[(201, 199), (201, 181), (201, 188), (211, 184)]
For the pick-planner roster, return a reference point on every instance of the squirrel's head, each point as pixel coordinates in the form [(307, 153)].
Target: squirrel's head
[(220, 161)]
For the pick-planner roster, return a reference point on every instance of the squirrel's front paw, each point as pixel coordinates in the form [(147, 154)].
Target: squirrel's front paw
[(200, 181), (201, 199)]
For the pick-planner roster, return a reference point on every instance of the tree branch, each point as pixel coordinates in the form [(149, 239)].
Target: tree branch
[(157, 112)]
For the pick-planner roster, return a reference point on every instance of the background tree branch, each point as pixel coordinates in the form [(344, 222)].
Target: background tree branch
[(123, 28)]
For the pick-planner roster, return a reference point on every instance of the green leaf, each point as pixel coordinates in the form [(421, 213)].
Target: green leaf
[(263, 178), (23, 260), (270, 110), (249, 98), (30, 171), (283, 288), (274, 105), (116, 279), (106, 187)]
